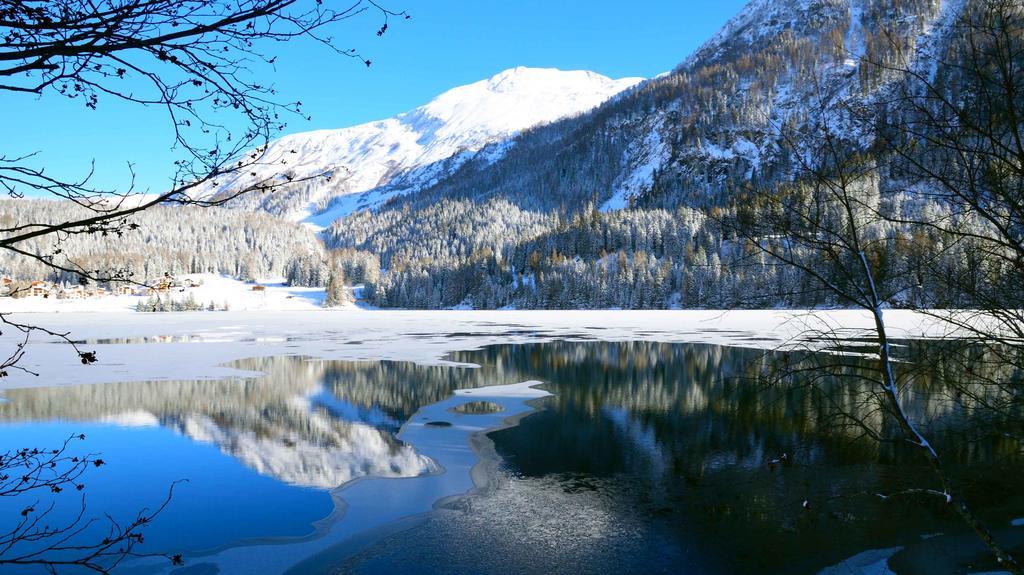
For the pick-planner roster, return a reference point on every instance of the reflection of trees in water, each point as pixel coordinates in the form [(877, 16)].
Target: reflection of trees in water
[(398, 388), (706, 443), (477, 408), (267, 423), (728, 396), (696, 424)]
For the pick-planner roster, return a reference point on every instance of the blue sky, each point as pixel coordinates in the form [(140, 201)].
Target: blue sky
[(446, 44)]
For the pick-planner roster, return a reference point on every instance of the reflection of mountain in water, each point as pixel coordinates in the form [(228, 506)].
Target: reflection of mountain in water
[(690, 408), (285, 425)]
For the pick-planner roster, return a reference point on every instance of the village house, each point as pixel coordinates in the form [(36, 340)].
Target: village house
[(39, 289)]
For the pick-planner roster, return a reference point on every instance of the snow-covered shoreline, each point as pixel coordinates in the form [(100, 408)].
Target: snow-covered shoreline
[(212, 290), (424, 337)]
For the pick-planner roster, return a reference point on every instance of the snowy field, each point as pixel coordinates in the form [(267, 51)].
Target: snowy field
[(192, 345), (220, 291)]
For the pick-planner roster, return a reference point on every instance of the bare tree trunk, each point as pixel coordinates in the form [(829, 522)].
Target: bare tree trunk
[(952, 495)]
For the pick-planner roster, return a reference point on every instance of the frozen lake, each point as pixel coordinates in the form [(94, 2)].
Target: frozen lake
[(381, 442)]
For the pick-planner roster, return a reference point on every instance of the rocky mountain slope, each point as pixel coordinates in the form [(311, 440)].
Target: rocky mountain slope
[(692, 136)]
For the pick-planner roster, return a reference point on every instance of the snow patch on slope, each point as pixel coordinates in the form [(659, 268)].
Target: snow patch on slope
[(651, 155)]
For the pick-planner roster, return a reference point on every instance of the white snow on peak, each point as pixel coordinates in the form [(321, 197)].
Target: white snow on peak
[(462, 119), (511, 101)]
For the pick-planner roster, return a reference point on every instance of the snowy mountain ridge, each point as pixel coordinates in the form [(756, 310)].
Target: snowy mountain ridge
[(419, 146), (690, 137)]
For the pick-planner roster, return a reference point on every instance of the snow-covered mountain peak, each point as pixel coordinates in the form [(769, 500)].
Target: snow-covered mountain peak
[(508, 102), (463, 119)]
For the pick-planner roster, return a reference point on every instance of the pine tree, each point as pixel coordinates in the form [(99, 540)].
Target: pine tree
[(336, 293)]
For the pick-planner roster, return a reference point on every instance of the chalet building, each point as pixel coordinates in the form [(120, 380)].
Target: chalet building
[(124, 290), (39, 289)]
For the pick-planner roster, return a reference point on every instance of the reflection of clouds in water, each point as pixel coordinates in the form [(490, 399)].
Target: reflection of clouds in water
[(356, 451)]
